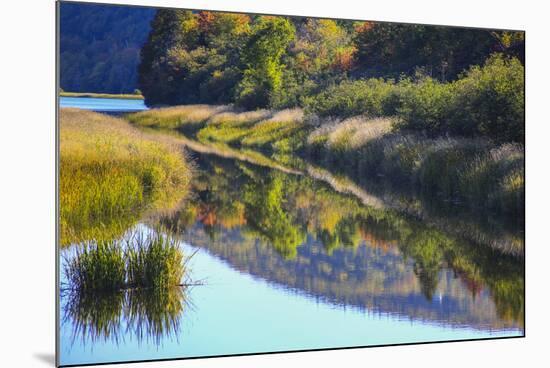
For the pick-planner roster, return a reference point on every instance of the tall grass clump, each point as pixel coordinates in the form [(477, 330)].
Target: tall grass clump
[(110, 172), (156, 261), (188, 117), (97, 267), (143, 261)]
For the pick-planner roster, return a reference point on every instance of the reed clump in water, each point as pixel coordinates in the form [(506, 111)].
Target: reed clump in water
[(150, 261)]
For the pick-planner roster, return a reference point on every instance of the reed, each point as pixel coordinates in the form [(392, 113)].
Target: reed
[(137, 261), (110, 172)]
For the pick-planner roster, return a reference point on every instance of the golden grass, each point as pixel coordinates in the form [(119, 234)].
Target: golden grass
[(177, 116), (110, 172), (352, 133)]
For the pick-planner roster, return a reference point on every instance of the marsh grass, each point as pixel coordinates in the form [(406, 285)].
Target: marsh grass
[(136, 261), (156, 261), (189, 117), (231, 127), (97, 266), (110, 172), (462, 170), (139, 280)]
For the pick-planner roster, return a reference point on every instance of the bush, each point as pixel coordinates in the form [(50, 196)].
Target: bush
[(423, 105), (372, 97), (489, 101)]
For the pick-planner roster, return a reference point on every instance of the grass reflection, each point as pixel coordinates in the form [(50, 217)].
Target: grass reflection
[(148, 315)]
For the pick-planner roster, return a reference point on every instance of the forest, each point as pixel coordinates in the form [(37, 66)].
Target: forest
[(100, 46), (438, 80)]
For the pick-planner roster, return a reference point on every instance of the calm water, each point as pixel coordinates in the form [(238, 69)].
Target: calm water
[(291, 262), (103, 104)]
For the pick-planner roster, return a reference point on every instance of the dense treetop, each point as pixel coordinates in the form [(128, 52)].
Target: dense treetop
[(259, 61)]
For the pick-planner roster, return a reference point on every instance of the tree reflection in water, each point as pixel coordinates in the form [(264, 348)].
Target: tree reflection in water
[(241, 211)]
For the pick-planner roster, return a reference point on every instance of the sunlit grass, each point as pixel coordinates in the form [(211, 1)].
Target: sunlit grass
[(465, 170), (97, 266), (177, 117), (154, 261), (109, 172), (140, 261)]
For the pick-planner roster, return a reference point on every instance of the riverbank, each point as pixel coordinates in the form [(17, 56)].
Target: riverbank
[(126, 96), (474, 173), (110, 173)]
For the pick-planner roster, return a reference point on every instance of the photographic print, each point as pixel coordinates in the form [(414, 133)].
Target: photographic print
[(235, 183)]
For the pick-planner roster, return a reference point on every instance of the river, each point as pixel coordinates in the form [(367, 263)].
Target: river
[(292, 262)]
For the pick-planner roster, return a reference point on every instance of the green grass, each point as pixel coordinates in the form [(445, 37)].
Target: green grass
[(476, 171), (110, 173), (155, 261), (97, 266), (188, 117), (125, 96), (144, 261)]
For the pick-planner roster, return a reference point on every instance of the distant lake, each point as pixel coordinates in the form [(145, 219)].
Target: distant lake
[(104, 104)]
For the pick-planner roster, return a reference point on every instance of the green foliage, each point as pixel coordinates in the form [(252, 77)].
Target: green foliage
[(489, 101), (443, 53), (373, 97), (486, 101), (264, 207), (262, 58)]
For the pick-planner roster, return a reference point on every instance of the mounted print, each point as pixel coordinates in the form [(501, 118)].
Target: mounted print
[(234, 183)]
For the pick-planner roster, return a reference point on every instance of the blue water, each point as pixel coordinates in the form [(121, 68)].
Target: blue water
[(224, 315), (103, 104)]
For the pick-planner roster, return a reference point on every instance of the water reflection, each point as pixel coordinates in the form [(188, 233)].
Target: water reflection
[(148, 315), (300, 233)]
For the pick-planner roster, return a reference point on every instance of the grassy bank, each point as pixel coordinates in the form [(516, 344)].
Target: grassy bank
[(125, 96), (471, 171), (110, 173)]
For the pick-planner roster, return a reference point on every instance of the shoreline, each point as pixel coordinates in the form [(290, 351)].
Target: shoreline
[(122, 96)]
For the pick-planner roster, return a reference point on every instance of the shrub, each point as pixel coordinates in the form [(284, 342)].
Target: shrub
[(372, 97), (489, 101), (423, 105)]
